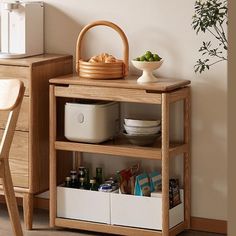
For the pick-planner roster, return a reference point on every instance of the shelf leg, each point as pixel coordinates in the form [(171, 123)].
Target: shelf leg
[(28, 209), (165, 164), (52, 157), (187, 161)]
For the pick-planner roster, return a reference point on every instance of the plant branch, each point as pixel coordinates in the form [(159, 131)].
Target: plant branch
[(216, 62), (220, 36), (223, 34)]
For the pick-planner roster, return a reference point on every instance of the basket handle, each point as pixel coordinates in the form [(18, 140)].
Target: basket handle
[(113, 26)]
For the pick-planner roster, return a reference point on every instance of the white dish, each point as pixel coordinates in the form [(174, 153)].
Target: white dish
[(147, 67), (141, 123), (142, 130)]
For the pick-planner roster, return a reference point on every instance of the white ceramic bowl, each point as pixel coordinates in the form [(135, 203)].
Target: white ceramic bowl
[(141, 123), (147, 67), (142, 130)]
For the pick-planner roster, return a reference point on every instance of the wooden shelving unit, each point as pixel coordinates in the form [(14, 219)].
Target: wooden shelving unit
[(163, 93)]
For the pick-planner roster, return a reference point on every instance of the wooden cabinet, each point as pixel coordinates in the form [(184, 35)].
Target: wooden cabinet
[(162, 93), (29, 155)]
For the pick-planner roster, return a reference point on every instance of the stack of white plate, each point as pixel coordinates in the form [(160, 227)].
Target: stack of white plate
[(142, 132)]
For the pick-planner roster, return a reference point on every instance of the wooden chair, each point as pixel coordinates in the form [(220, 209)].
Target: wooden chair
[(11, 95)]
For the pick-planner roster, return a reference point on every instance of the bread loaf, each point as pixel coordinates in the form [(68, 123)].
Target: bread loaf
[(103, 57)]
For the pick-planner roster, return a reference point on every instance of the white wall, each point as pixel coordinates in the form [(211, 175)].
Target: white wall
[(162, 26)]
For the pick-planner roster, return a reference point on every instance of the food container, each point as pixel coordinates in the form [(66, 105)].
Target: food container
[(91, 122), (100, 70), (143, 212)]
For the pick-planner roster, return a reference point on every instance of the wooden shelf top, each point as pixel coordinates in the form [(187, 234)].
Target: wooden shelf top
[(130, 82), (28, 61), (121, 147)]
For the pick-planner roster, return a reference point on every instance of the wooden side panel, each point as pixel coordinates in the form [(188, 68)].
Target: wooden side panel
[(23, 120), (19, 159), (39, 119)]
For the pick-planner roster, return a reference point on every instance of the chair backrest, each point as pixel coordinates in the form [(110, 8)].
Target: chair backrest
[(11, 95)]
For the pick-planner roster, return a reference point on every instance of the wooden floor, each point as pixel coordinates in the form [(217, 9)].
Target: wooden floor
[(41, 227)]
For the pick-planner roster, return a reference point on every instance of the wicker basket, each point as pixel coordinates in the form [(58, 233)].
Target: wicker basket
[(100, 70)]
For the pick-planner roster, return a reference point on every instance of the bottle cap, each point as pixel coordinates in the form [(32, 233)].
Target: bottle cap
[(68, 178), (98, 169), (105, 188), (81, 179), (92, 181), (73, 177)]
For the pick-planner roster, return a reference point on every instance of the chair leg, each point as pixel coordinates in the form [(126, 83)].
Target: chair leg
[(11, 200)]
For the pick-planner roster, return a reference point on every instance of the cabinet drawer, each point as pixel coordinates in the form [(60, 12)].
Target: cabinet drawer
[(23, 120), (16, 72), (19, 159), (20, 146)]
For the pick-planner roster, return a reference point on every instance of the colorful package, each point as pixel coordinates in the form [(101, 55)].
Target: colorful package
[(127, 179), (155, 181), (142, 185), (174, 193)]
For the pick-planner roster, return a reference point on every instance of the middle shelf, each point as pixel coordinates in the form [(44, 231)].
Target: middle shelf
[(120, 147)]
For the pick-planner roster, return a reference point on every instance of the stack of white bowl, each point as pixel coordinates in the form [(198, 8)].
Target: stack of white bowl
[(142, 132)]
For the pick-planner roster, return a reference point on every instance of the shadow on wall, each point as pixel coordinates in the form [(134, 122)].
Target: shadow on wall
[(61, 31)]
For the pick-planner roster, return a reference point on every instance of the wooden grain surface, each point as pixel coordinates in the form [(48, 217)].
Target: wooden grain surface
[(187, 159), (39, 119), (163, 85), (105, 228), (165, 109), (29, 61), (106, 93)]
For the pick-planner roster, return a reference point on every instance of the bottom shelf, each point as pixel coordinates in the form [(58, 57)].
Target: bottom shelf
[(115, 209), (114, 229)]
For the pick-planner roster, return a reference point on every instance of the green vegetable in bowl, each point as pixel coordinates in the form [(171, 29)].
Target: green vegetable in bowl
[(149, 56), (143, 58)]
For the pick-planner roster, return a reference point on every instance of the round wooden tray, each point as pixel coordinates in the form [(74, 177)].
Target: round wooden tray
[(100, 70)]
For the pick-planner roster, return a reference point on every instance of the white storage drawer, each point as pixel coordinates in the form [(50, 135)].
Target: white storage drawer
[(142, 212), (83, 205)]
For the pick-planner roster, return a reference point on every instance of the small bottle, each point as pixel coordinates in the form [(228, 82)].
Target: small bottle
[(74, 181), (99, 175), (93, 185), (82, 184), (68, 182), (74, 178), (86, 176), (81, 173)]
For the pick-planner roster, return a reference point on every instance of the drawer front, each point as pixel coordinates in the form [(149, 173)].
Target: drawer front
[(23, 120), (83, 205), (16, 72), (19, 159)]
